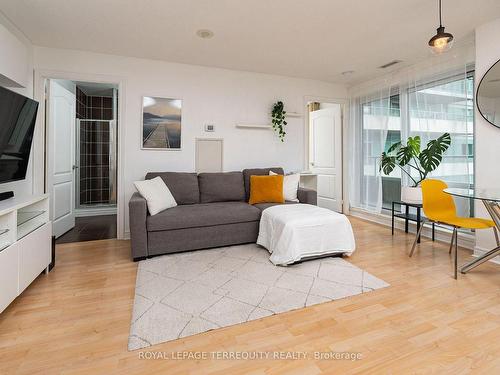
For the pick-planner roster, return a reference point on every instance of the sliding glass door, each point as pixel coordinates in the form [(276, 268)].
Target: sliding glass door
[(427, 110), (381, 119), (447, 106)]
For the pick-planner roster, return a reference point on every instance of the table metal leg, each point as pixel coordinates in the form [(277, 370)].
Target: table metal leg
[(416, 238), (494, 210), (418, 223), (393, 218), (407, 211), (455, 266), (433, 231), (480, 260), (452, 239)]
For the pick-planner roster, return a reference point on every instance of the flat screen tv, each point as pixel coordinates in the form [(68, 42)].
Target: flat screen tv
[(17, 123)]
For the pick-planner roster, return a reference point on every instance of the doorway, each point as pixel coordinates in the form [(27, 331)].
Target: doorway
[(324, 157), (81, 159)]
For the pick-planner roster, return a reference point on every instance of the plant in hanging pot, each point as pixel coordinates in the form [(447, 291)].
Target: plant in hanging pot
[(278, 114), (410, 158)]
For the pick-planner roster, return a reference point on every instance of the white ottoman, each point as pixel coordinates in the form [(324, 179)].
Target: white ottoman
[(292, 232)]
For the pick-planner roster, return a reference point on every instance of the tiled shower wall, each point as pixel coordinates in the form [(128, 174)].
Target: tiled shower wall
[(93, 107), (94, 148)]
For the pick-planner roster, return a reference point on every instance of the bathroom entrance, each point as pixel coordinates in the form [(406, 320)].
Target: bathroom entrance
[(81, 128)]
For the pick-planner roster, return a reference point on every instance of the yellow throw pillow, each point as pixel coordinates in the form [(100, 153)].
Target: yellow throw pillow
[(266, 189)]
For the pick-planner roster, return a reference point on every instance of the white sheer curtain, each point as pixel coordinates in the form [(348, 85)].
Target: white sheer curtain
[(427, 100), (373, 118)]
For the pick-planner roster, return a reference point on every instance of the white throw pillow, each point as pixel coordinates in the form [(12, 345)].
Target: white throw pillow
[(157, 195), (290, 186)]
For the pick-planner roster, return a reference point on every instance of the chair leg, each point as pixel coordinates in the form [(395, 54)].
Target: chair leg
[(452, 240), (456, 253), (496, 235), (416, 238)]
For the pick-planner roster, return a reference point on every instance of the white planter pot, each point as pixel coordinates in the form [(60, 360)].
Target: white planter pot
[(411, 194)]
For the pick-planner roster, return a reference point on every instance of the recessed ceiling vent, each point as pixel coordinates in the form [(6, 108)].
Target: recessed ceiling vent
[(390, 63)]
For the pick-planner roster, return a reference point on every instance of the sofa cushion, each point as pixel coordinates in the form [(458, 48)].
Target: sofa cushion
[(263, 206), (183, 186), (157, 194), (257, 172), (221, 187), (203, 215)]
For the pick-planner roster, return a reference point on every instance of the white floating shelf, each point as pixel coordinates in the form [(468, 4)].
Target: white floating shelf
[(253, 126), (266, 126)]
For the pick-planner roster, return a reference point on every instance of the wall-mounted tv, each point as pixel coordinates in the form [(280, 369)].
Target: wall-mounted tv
[(17, 123)]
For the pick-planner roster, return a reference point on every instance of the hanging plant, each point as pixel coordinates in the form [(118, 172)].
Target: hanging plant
[(278, 119)]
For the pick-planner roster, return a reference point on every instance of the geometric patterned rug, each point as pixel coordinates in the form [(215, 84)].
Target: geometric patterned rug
[(179, 295)]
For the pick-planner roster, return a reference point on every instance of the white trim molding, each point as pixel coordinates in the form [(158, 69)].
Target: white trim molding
[(95, 211), (39, 145)]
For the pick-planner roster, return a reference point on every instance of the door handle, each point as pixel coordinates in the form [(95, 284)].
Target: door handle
[(75, 167)]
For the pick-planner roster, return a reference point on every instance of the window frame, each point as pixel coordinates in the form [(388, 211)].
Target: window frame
[(404, 92)]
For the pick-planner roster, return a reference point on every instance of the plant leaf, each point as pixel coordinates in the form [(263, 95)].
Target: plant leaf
[(406, 153), (387, 163), (395, 146), (414, 144), (432, 155)]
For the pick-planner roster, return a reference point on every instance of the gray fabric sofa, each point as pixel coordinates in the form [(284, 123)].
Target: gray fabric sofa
[(212, 211)]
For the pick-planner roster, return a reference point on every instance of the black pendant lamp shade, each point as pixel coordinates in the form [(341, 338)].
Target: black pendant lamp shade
[(442, 41)]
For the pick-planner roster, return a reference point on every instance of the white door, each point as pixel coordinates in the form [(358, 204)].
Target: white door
[(61, 157), (325, 155)]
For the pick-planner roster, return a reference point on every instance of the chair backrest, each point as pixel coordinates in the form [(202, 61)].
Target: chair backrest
[(438, 205)]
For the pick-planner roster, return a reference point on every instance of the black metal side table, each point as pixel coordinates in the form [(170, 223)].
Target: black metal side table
[(407, 216)]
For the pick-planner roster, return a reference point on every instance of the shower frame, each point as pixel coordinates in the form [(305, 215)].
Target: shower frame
[(112, 159)]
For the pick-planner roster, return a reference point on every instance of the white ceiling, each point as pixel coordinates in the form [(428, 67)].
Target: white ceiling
[(315, 39)]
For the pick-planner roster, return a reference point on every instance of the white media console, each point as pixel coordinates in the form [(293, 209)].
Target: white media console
[(25, 244)]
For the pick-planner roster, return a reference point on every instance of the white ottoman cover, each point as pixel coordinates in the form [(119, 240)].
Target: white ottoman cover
[(292, 232)]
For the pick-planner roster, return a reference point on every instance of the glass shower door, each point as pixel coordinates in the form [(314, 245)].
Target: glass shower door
[(96, 162)]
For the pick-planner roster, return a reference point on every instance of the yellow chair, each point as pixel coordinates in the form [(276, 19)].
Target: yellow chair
[(439, 208)]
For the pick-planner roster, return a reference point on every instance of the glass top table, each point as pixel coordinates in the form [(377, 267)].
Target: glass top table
[(492, 195), (491, 200)]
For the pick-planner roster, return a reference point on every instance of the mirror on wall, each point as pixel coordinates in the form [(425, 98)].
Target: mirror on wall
[(488, 95)]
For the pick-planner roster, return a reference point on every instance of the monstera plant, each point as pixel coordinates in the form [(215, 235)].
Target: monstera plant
[(410, 157)]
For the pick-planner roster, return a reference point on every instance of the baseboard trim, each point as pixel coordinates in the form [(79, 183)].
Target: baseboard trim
[(442, 234), (97, 211)]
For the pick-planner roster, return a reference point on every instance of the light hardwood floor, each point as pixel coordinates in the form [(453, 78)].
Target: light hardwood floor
[(76, 319)]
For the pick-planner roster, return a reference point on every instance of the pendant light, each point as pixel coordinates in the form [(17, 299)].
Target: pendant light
[(442, 41)]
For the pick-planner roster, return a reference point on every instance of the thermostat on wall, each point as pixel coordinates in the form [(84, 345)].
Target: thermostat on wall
[(209, 128)]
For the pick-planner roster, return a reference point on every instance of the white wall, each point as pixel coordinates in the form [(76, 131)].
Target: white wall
[(210, 95), (16, 63), (13, 59), (487, 138)]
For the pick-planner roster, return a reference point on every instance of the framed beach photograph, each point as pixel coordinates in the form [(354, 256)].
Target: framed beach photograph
[(161, 123)]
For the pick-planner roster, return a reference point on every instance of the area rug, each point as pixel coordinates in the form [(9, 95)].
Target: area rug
[(183, 294)]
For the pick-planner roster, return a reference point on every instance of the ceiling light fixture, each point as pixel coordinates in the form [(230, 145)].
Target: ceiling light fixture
[(205, 34), (442, 41)]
